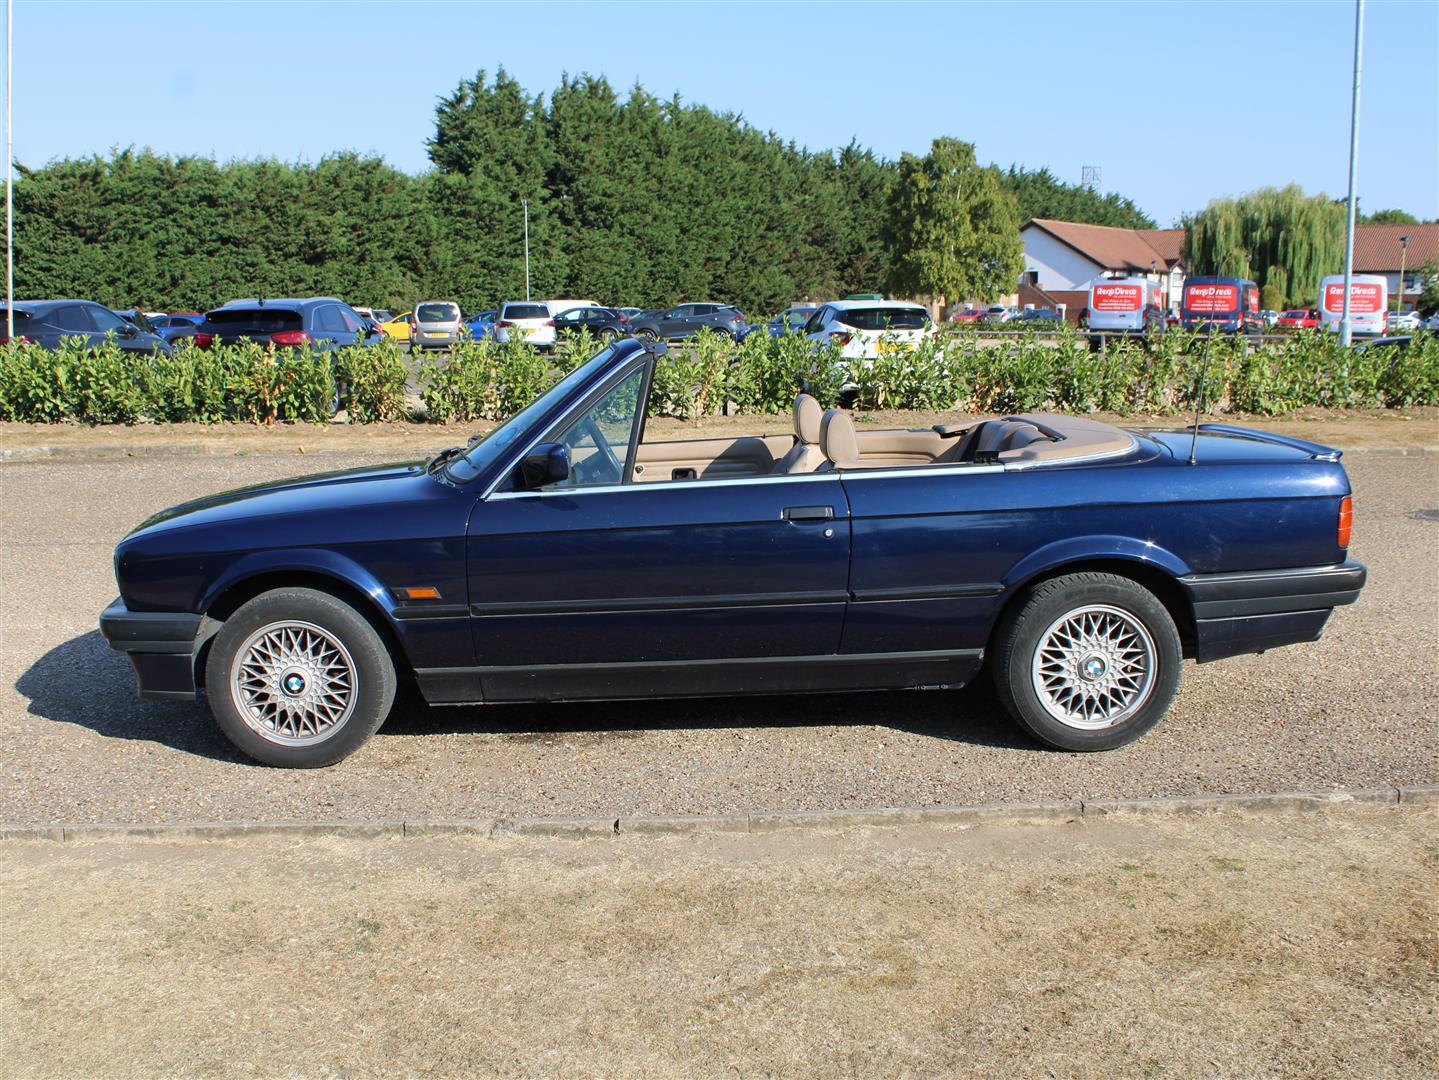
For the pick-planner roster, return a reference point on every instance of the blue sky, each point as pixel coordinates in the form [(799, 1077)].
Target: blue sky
[(1177, 102)]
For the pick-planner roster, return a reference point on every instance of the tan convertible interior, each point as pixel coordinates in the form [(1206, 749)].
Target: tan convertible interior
[(822, 441)]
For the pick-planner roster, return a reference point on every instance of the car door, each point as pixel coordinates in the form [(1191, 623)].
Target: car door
[(329, 326), (596, 587)]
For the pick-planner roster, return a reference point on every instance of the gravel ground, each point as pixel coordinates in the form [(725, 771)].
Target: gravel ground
[(1358, 709)]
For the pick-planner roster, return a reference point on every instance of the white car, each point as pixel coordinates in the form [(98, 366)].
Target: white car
[(1405, 320), (529, 321), (1432, 323), (862, 329)]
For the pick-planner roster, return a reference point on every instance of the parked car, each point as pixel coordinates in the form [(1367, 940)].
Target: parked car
[(1298, 319), (526, 320), (176, 325), (47, 323), (481, 324), (791, 320), (554, 558), (968, 315), (1269, 317), (557, 306), (687, 320), (320, 323), (998, 313), (1432, 323), (1031, 316), (862, 329), (1405, 320), (604, 323), (630, 312), (397, 327), (435, 324)]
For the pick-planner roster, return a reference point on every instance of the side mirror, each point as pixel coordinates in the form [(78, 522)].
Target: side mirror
[(129, 331), (548, 463)]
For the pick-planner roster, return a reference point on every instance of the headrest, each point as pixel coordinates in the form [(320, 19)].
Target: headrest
[(837, 439), (807, 417)]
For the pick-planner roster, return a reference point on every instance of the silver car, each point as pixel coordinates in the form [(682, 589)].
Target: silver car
[(435, 325)]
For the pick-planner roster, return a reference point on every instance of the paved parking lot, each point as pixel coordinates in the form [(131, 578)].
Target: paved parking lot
[(1360, 708)]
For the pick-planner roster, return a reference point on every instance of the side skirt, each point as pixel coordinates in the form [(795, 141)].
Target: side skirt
[(699, 678)]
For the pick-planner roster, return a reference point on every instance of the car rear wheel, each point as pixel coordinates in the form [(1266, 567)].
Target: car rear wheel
[(1087, 661), (646, 334), (299, 679)]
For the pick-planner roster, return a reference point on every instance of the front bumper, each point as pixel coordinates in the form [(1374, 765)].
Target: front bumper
[(162, 647), (1263, 609)]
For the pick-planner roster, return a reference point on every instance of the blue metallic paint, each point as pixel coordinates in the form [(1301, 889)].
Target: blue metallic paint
[(603, 586)]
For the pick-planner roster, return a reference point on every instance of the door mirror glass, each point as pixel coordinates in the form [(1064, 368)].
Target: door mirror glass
[(548, 463)]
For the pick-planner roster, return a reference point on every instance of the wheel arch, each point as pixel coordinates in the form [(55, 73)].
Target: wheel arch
[(238, 589), (1157, 571)]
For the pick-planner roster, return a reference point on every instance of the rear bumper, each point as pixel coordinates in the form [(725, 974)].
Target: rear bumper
[(162, 647), (1263, 609)]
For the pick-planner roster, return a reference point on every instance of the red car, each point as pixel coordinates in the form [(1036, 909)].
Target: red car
[(1298, 319), (968, 315)]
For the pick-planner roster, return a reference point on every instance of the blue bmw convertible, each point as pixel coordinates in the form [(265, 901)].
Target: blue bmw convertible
[(564, 556)]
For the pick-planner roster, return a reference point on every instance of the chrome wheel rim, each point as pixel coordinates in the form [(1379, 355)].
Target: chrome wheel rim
[(1094, 667), (293, 683)]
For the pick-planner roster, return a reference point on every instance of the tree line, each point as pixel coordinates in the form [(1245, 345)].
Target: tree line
[(631, 199)]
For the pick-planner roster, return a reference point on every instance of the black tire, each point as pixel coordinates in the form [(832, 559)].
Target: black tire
[(644, 333), (361, 653), (1125, 708), (607, 335)]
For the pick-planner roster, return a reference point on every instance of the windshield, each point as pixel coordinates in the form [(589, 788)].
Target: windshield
[(259, 320), (885, 318), (493, 443)]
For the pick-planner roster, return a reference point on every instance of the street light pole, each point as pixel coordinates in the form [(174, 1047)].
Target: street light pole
[(526, 204), (9, 171), (1403, 258), (1346, 328)]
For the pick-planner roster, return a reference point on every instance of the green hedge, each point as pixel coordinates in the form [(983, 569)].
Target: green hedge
[(488, 381)]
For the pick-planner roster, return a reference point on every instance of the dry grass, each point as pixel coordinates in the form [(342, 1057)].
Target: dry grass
[(1222, 945)]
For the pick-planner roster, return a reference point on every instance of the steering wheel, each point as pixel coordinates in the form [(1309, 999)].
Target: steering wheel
[(612, 471)]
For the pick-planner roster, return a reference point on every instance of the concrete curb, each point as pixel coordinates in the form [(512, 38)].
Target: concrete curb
[(120, 451), (1058, 812)]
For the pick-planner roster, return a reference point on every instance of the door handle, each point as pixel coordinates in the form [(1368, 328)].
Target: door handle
[(807, 513)]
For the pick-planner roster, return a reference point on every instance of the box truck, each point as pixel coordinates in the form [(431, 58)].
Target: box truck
[(1368, 303)]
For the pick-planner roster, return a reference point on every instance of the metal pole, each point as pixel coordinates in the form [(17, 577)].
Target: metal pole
[(1346, 328), (9, 170), (1403, 257), (526, 204)]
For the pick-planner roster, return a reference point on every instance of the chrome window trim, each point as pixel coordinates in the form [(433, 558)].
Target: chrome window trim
[(743, 481)]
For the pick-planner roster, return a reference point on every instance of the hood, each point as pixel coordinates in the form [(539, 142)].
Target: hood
[(328, 491)]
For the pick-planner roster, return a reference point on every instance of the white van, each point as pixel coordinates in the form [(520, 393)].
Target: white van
[(557, 306), (1368, 303), (1124, 305)]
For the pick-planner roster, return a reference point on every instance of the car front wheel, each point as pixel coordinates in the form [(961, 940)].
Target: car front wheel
[(1087, 661), (299, 679)]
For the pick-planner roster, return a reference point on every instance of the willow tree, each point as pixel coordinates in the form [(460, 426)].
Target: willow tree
[(1276, 236)]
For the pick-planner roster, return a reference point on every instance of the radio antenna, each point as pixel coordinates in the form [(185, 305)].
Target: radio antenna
[(1199, 404)]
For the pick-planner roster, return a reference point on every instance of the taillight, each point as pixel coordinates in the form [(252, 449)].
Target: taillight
[(840, 337), (548, 322), (1346, 520), (204, 341), (624, 318), (18, 339), (504, 324), (290, 337)]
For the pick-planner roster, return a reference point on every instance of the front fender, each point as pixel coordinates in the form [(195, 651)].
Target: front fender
[(1079, 549), (301, 560)]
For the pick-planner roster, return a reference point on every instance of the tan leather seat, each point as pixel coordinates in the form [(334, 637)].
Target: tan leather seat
[(805, 456), (837, 440)]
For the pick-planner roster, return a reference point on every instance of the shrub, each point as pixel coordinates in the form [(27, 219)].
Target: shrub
[(373, 380)]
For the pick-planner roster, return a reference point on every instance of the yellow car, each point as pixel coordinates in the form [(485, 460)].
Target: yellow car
[(398, 327)]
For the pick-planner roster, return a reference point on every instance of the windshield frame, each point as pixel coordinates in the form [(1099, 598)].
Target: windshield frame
[(490, 450)]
